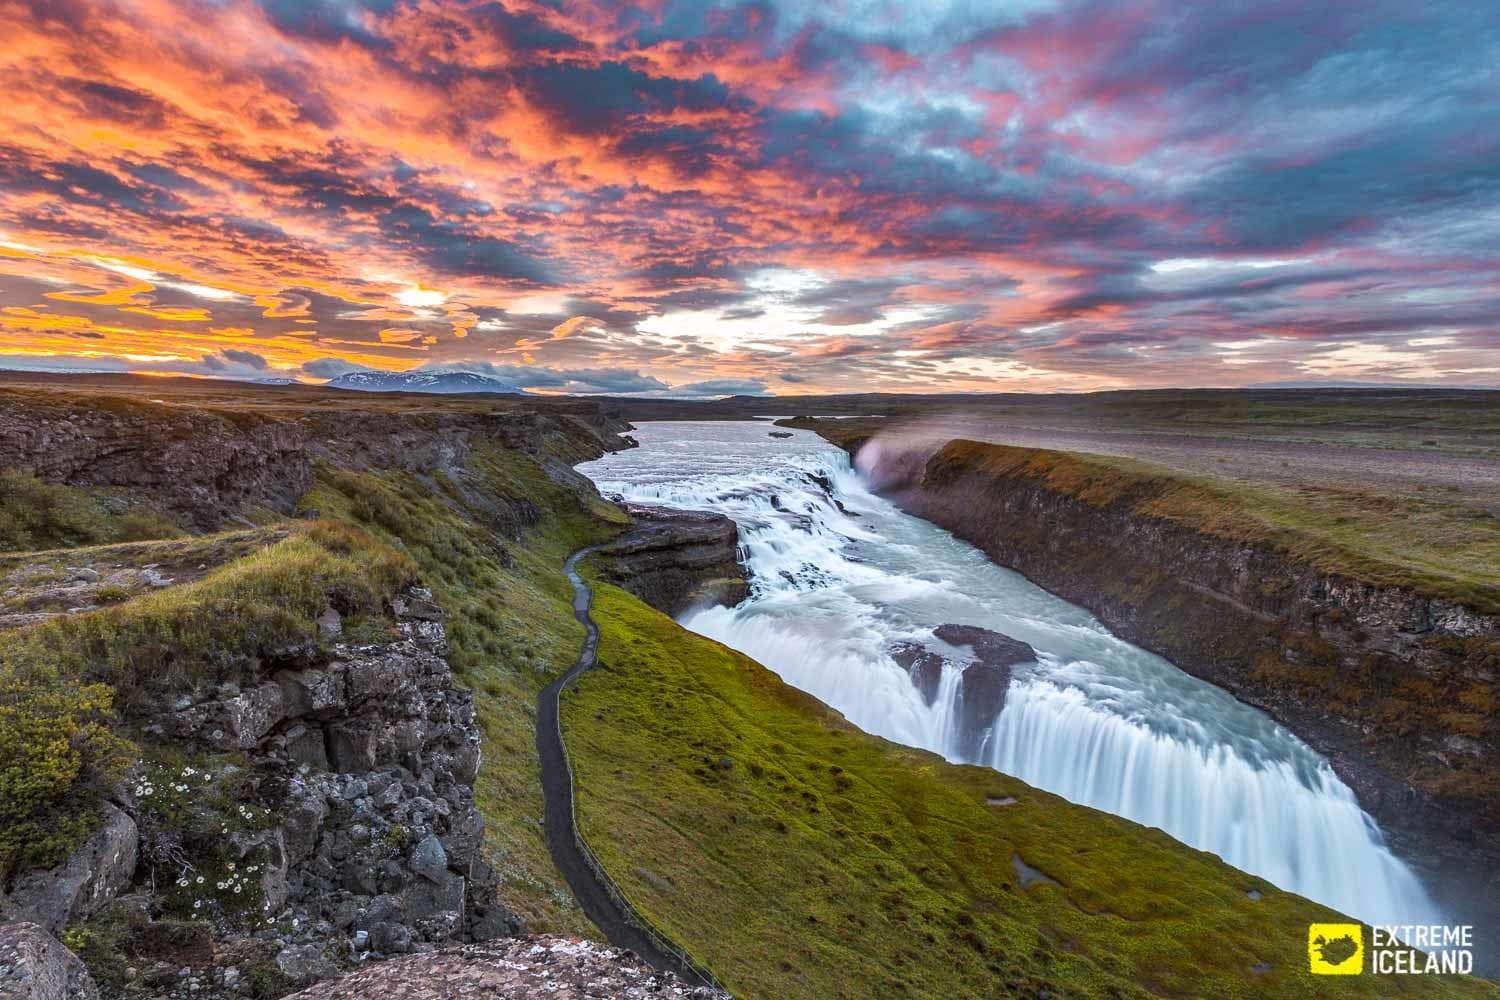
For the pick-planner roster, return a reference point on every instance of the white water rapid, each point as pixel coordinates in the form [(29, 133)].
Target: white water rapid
[(839, 574)]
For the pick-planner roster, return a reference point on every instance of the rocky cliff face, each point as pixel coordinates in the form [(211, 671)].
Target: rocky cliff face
[(197, 463), (674, 560), (206, 465), (328, 817), (1390, 685)]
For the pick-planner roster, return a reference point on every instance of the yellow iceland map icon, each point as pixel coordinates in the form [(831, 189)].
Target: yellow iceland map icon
[(1336, 949)]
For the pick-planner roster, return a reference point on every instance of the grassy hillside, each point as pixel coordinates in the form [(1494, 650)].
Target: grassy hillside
[(799, 857), (490, 541)]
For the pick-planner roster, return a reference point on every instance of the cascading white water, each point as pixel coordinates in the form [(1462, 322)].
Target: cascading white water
[(840, 574)]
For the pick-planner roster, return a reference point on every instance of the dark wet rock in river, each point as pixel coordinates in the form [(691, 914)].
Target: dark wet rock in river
[(677, 559), (984, 682), (923, 665), (781, 434)]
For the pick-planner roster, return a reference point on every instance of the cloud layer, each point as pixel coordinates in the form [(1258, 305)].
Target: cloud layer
[(703, 197)]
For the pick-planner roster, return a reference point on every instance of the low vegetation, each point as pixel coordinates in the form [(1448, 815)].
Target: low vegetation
[(799, 857), (58, 758), (39, 515)]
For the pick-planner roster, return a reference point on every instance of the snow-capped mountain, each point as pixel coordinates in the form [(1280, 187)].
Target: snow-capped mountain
[(421, 381)]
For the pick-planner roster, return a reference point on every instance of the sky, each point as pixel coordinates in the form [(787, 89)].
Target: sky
[(702, 197)]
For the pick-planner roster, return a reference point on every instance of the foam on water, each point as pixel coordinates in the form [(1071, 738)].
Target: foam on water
[(839, 574)]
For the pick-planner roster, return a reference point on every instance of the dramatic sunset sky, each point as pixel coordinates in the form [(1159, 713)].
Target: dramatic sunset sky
[(708, 197)]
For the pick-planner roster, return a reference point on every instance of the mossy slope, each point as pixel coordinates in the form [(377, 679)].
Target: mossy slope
[(799, 857)]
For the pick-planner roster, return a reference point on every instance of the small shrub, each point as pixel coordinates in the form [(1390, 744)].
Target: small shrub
[(141, 524), (111, 595), (40, 515), (58, 757)]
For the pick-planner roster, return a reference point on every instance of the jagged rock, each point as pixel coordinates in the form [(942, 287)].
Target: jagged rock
[(924, 666), (488, 918), (77, 888), (984, 682), (302, 825), (234, 723), (306, 745), (390, 938), (423, 897), (429, 859), (351, 747), (516, 969), (674, 560), (377, 749), (311, 692), (35, 966)]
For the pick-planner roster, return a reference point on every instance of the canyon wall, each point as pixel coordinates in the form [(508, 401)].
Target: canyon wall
[(205, 465)]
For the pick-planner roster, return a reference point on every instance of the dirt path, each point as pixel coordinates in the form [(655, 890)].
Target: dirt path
[(599, 903)]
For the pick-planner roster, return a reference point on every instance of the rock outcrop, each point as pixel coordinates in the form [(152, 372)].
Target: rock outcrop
[(924, 666), (34, 965), (985, 680), (201, 464), (330, 818), (519, 969), (97, 872), (675, 560), (982, 685)]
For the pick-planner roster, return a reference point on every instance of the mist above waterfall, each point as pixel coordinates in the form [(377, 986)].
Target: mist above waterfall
[(841, 578)]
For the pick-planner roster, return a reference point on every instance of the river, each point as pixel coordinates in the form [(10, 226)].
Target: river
[(840, 574)]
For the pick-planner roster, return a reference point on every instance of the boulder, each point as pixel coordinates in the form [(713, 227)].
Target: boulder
[(351, 746), (34, 965), (77, 888), (430, 860), (984, 682), (309, 692), (305, 963), (302, 825), (423, 898)]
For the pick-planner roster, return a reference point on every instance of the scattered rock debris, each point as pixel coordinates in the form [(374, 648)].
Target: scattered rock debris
[(513, 969)]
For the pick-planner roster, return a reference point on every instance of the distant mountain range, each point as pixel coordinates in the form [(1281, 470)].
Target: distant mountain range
[(422, 381)]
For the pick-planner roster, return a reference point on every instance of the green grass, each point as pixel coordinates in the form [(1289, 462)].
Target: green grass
[(220, 626), (39, 515), (491, 545), (824, 862)]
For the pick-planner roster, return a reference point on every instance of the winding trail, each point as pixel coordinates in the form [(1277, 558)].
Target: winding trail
[(599, 900)]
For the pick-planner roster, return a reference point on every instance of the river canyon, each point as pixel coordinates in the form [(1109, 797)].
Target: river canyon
[(843, 583)]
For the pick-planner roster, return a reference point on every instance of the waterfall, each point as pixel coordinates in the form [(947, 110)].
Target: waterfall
[(839, 575)]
